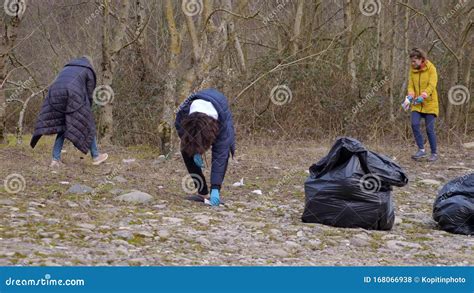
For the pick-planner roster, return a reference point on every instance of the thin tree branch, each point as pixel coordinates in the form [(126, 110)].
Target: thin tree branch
[(433, 27), (284, 65), (231, 13), (138, 35)]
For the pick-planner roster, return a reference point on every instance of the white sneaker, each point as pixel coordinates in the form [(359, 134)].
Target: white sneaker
[(100, 159), (55, 164)]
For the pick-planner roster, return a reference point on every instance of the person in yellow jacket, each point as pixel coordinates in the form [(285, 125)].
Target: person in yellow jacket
[(422, 99)]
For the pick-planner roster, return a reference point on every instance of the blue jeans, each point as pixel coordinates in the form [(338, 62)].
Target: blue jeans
[(430, 129), (58, 146)]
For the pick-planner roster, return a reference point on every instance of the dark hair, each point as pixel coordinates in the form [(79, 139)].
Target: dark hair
[(418, 53), (200, 132)]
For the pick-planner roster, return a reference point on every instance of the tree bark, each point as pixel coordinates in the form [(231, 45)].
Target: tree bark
[(10, 28), (191, 73), (232, 37), (297, 27), (406, 61), (111, 46), (205, 48), (391, 88), (140, 44), (349, 43), (379, 42), (167, 135), (21, 118)]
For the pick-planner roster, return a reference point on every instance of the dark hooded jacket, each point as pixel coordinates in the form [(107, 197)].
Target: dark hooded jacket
[(68, 106), (225, 141)]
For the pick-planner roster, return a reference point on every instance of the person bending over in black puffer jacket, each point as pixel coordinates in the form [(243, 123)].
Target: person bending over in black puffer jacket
[(67, 111)]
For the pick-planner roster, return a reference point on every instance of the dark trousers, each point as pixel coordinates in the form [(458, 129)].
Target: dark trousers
[(197, 175), (430, 129)]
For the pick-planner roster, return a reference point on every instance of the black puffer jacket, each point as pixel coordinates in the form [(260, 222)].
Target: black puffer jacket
[(68, 106)]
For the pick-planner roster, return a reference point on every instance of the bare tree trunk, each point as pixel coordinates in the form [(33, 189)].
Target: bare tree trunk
[(406, 62), (192, 73), (107, 76), (3, 102), (186, 87), (236, 41), (232, 42), (315, 18), (205, 46), (167, 136), (468, 53), (238, 47), (140, 35), (456, 79), (391, 88), (21, 118), (194, 39), (211, 44), (465, 48), (454, 76), (297, 27), (10, 28), (111, 46), (467, 82), (379, 42), (349, 56)]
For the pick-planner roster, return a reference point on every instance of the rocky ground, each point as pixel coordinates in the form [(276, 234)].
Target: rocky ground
[(73, 216)]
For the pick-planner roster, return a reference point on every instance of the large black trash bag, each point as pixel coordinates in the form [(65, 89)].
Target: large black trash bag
[(453, 209), (351, 187)]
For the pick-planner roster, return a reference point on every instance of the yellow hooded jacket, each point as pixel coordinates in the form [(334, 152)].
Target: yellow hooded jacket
[(424, 80)]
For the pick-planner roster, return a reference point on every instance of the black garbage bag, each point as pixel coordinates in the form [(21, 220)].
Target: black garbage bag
[(351, 187), (453, 209)]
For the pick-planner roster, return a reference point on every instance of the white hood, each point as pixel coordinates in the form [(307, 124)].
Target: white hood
[(205, 107)]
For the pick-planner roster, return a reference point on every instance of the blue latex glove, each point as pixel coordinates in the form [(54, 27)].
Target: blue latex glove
[(215, 197), (198, 160), (418, 100), (410, 98)]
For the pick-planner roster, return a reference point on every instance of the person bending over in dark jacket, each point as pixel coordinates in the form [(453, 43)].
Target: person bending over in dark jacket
[(204, 121), (67, 111)]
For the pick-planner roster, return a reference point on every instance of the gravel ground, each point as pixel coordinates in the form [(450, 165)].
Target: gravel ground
[(44, 224)]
